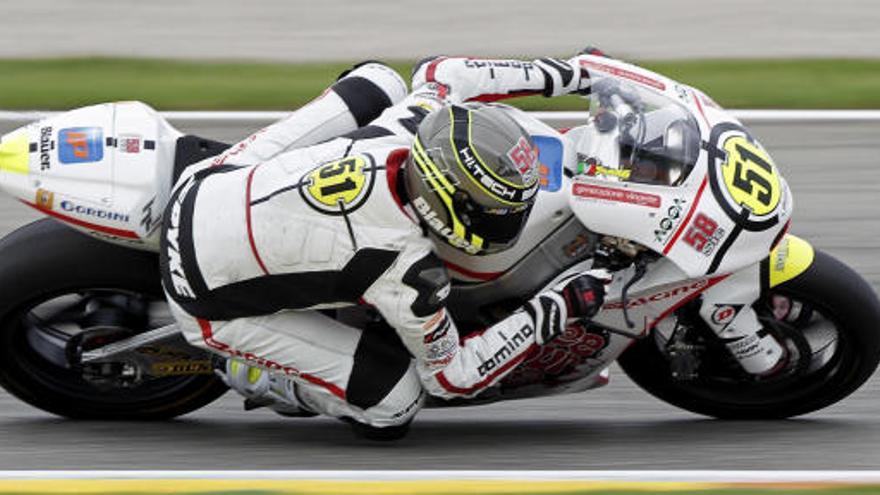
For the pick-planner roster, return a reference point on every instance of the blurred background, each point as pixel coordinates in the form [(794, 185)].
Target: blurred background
[(274, 54), (345, 30)]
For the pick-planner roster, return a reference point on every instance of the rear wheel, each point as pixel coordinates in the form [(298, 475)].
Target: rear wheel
[(829, 320), (60, 285)]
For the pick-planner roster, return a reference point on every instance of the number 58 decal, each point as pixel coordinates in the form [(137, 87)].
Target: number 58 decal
[(703, 234)]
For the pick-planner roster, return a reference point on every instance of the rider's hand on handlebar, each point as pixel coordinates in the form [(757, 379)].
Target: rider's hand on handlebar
[(579, 296), (584, 294)]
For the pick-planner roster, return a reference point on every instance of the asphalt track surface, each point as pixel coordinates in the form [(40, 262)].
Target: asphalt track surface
[(393, 29), (834, 171)]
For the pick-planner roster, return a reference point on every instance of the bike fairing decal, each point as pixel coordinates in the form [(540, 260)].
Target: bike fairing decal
[(687, 218), (126, 234), (14, 150), (690, 297), (80, 145), (699, 106), (210, 341), (789, 259), (549, 162), (717, 157), (725, 246), (615, 195), (624, 73), (46, 145)]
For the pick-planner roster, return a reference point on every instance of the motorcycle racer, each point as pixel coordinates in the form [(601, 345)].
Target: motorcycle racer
[(260, 239)]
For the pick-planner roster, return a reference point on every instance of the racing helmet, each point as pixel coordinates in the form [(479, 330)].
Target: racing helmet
[(654, 139), (472, 177)]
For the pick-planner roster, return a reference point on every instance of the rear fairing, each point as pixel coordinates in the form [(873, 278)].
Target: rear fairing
[(105, 170)]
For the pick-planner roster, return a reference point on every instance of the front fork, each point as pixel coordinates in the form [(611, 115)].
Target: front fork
[(727, 310)]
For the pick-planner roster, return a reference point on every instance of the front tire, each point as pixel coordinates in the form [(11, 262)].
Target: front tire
[(829, 371), (55, 282)]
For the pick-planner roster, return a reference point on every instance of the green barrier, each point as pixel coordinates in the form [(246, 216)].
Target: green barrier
[(59, 84)]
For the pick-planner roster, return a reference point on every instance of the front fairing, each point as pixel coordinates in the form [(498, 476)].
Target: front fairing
[(724, 215)]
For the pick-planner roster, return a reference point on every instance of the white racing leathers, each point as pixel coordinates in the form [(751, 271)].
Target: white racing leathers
[(258, 239)]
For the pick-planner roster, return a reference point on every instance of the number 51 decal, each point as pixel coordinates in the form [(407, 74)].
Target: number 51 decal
[(750, 176), (340, 186)]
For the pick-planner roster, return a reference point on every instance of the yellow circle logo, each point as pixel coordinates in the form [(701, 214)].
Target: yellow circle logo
[(338, 187), (750, 176)]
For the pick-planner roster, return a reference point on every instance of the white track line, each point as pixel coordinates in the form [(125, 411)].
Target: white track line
[(630, 476), (747, 115)]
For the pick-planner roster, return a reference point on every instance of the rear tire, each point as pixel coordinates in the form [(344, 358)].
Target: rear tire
[(44, 261), (835, 291)]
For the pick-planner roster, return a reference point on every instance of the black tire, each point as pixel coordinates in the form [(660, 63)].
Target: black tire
[(834, 290), (45, 260)]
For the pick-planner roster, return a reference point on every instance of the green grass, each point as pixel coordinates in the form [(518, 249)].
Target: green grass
[(67, 83)]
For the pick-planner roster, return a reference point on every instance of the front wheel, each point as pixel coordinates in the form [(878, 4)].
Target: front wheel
[(58, 285), (828, 317)]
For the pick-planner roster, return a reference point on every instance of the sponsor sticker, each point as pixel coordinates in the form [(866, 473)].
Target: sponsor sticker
[(624, 73), (512, 345), (45, 148), (338, 187), (440, 353), (593, 167), (180, 368), (45, 199), (563, 358), (90, 211), (129, 143), (724, 314), (750, 176), (524, 157), (704, 234), (659, 296), (80, 145), (616, 195), (549, 162), (670, 221)]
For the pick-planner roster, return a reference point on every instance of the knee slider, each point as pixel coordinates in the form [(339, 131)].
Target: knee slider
[(368, 89)]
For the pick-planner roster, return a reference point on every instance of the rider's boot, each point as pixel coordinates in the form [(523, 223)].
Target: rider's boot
[(261, 388)]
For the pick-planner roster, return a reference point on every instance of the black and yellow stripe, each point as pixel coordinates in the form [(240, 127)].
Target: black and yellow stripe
[(475, 168), (444, 189)]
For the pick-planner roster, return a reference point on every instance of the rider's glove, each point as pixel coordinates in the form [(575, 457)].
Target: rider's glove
[(579, 296), (549, 314), (562, 77), (584, 294)]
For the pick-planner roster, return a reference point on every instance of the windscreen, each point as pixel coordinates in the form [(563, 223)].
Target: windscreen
[(657, 139)]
